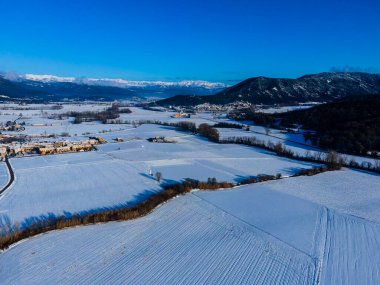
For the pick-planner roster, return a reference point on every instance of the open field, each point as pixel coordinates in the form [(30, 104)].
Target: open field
[(313, 230), (119, 172), (294, 142), (248, 235), (141, 252)]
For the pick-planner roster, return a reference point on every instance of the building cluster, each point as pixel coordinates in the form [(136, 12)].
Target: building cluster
[(46, 148), (222, 107), (181, 115), (12, 126)]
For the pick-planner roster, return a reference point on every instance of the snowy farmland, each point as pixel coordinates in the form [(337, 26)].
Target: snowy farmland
[(248, 235), (119, 172), (322, 229), (294, 142)]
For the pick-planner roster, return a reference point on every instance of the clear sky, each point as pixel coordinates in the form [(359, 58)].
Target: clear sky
[(217, 40)]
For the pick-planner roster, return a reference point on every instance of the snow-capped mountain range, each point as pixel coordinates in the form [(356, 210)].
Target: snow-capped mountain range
[(51, 87), (122, 83)]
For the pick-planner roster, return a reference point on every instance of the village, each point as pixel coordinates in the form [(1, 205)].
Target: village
[(46, 148)]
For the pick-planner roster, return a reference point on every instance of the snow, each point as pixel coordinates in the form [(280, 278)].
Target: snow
[(321, 229), (294, 142), (291, 220), (254, 234), (352, 251), (57, 187), (118, 172), (48, 78), (3, 175), (193, 242), (351, 192), (117, 82)]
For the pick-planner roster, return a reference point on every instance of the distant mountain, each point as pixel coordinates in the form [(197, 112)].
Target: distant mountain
[(322, 87), (50, 87), (122, 83), (54, 91), (162, 89)]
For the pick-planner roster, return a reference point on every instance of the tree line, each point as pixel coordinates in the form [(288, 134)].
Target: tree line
[(110, 113), (350, 125)]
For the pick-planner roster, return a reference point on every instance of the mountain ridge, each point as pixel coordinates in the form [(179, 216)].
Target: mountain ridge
[(320, 87), (119, 82), (50, 87)]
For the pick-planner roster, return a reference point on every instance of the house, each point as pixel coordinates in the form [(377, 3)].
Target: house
[(62, 149), (82, 147), (3, 151), (47, 150), (98, 139), (29, 148), (59, 144), (181, 115)]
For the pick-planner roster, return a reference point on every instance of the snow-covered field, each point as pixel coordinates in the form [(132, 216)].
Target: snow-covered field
[(322, 229), (186, 241), (255, 234), (295, 142), (119, 172), (38, 123)]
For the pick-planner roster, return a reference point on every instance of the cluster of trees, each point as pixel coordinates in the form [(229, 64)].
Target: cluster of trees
[(261, 119), (350, 125), (160, 139), (209, 132), (204, 129), (260, 178), (120, 108), (313, 171), (187, 126), (89, 116), (228, 125), (105, 116)]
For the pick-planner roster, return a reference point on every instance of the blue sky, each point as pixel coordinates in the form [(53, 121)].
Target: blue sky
[(198, 39)]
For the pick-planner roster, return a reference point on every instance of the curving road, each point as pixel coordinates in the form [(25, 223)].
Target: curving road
[(11, 176)]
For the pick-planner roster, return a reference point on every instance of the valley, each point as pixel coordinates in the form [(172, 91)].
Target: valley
[(292, 229)]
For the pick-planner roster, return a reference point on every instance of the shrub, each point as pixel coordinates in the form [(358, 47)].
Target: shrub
[(333, 160), (209, 132)]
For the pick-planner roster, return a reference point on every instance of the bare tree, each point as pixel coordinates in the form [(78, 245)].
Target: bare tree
[(333, 160), (158, 176)]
